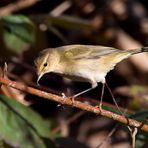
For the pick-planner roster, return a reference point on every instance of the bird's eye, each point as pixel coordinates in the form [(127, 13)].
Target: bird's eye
[(45, 64)]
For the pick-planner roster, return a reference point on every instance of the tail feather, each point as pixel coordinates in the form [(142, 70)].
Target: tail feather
[(139, 50), (144, 49)]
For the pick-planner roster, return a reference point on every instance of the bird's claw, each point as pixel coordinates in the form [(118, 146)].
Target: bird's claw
[(65, 97), (99, 106), (72, 100)]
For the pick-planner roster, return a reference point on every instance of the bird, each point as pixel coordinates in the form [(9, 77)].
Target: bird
[(83, 63)]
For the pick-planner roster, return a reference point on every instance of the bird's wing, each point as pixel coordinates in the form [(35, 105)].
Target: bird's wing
[(74, 52)]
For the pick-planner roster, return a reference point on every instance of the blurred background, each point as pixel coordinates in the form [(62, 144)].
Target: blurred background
[(29, 26)]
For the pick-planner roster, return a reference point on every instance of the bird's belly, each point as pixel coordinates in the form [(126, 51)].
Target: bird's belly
[(77, 77), (85, 71), (86, 76), (100, 77)]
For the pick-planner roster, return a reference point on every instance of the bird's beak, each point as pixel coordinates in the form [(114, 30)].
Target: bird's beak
[(39, 77)]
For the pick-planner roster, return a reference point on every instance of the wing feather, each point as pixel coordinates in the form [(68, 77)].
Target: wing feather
[(74, 52)]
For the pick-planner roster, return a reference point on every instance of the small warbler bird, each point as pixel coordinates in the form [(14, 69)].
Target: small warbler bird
[(85, 63)]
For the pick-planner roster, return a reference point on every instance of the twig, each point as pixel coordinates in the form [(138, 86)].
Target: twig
[(76, 104), (60, 8), (13, 7), (108, 137)]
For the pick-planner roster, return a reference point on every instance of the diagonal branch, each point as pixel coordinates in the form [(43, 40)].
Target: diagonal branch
[(16, 6), (76, 104)]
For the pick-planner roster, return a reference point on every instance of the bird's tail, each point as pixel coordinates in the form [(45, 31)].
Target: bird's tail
[(139, 50)]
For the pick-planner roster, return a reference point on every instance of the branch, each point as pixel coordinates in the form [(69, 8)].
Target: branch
[(13, 7), (76, 104)]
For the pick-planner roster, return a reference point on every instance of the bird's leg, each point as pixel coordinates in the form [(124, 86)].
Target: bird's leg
[(102, 93), (114, 100), (94, 85), (64, 98), (76, 95), (82, 92)]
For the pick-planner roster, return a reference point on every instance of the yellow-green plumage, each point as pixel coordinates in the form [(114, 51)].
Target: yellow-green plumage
[(82, 62)]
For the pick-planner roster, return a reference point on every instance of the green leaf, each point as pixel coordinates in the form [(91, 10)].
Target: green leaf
[(68, 22), (141, 115), (14, 43), (19, 32), (17, 19), (114, 110), (20, 126)]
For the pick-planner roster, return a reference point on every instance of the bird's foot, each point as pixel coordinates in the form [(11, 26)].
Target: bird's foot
[(65, 97), (99, 106), (72, 99)]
